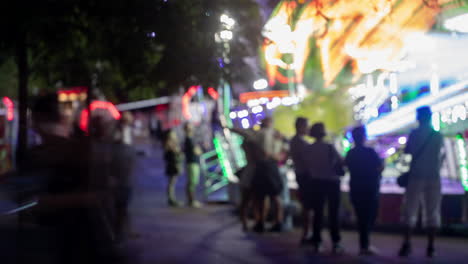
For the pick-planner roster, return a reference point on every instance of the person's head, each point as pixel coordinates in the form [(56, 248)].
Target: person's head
[(188, 128), (267, 122), (317, 131), (359, 135), (301, 126), (424, 115), (102, 126), (171, 139)]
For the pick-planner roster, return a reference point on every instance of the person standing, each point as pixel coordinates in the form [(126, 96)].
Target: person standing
[(298, 146), (424, 144), (173, 158), (192, 153), (323, 160), (365, 169), (267, 182)]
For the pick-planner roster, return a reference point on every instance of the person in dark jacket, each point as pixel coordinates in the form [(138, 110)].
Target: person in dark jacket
[(173, 158), (365, 168), (192, 153)]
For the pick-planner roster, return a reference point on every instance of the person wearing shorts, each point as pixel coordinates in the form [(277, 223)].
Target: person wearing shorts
[(424, 181)]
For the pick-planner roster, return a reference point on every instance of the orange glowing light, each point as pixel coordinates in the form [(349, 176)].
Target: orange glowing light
[(244, 97)]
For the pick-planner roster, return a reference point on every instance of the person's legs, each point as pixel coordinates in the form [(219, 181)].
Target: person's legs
[(170, 191), (193, 173), (278, 221), (334, 199), (244, 206), (411, 203), (260, 208), (360, 211), (432, 198), (318, 196)]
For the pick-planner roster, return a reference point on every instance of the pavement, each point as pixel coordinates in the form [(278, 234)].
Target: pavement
[(212, 234)]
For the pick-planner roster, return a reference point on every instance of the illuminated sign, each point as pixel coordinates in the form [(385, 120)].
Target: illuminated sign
[(244, 97), (370, 35), (110, 107)]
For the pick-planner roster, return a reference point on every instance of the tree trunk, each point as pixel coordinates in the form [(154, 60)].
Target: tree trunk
[(23, 75)]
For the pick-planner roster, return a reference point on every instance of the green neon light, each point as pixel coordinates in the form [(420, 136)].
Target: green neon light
[(462, 161), (238, 152), (346, 145), (223, 161), (227, 103)]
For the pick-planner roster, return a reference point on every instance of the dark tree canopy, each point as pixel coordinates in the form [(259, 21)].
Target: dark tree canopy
[(137, 48)]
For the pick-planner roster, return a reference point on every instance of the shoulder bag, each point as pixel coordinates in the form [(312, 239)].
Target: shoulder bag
[(403, 179)]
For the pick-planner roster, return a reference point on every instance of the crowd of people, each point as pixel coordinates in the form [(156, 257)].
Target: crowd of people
[(83, 183), (86, 185), (319, 167)]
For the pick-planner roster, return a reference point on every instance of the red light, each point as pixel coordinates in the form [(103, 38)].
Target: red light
[(213, 93), (110, 107), (186, 101), (10, 108), (84, 120)]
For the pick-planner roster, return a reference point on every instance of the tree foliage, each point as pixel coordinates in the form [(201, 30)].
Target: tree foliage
[(143, 48)]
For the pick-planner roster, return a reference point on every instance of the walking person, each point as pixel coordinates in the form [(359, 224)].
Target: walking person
[(173, 158), (192, 153), (298, 147), (365, 169), (325, 169), (424, 145)]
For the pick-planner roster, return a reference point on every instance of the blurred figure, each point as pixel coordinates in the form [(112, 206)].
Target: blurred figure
[(192, 153), (424, 145), (298, 147), (251, 153), (69, 202), (267, 182), (173, 157), (323, 159), (127, 128), (365, 168)]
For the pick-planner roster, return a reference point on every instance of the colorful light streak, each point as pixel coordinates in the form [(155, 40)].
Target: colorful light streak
[(376, 29), (186, 101), (245, 97), (110, 107), (223, 161), (10, 107), (213, 93), (405, 115), (462, 160)]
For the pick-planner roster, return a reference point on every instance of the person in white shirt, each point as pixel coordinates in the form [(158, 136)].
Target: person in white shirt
[(424, 144), (324, 186)]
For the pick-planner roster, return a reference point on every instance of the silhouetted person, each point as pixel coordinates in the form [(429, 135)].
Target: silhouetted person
[(365, 169), (173, 157), (68, 202), (298, 147), (192, 153), (324, 187), (424, 180)]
